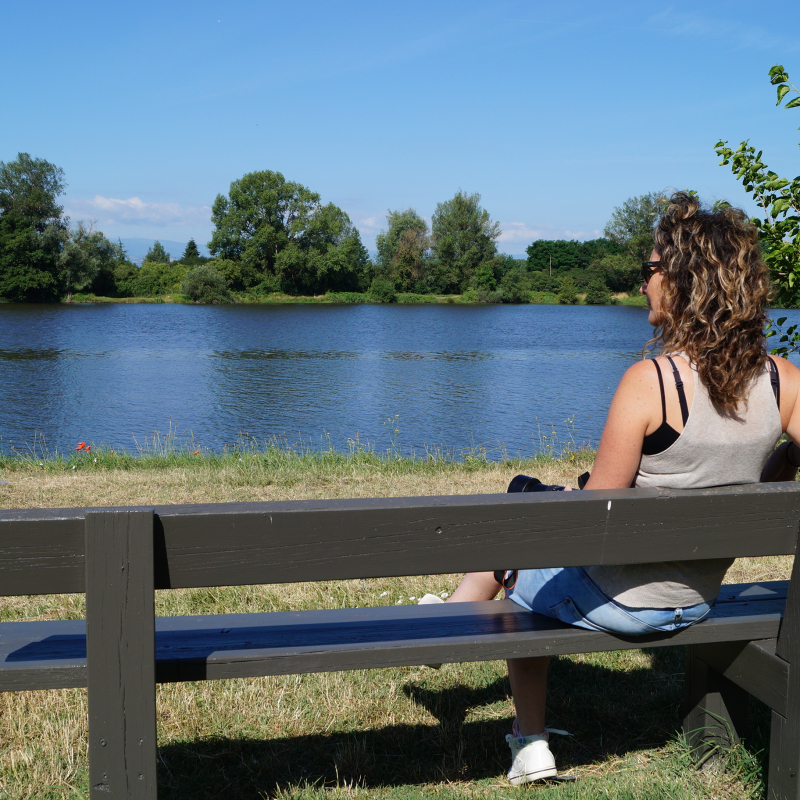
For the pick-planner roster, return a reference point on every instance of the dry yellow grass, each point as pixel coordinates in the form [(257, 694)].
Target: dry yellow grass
[(206, 483), (390, 733)]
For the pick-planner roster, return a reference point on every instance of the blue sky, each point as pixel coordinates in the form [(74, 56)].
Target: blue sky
[(554, 113)]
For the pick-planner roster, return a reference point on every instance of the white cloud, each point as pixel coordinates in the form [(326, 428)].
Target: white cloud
[(134, 211), (523, 233), (369, 225), (738, 33)]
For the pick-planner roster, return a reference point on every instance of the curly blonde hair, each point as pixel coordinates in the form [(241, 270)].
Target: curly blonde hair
[(715, 288)]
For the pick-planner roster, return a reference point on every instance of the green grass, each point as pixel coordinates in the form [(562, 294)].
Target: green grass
[(394, 733), (387, 734)]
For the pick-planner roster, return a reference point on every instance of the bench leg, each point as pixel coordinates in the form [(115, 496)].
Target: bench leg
[(715, 714), (120, 654)]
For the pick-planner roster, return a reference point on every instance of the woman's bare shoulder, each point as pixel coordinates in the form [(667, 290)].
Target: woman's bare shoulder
[(787, 371), (642, 372)]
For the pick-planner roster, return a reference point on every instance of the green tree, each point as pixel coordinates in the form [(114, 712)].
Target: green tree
[(516, 286), (239, 276), (597, 293), (779, 199), (281, 231), (548, 256), (30, 229), (191, 255), (403, 249), (157, 255), (204, 284), (619, 272), (382, 290), (29, 188), (463, 238), (560, 255), (567, 291), (631, 225), (85, 255)]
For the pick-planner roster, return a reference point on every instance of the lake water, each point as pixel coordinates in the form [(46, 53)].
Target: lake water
[(431, 376)]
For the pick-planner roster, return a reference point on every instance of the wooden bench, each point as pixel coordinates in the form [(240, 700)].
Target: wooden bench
[(119, 556)]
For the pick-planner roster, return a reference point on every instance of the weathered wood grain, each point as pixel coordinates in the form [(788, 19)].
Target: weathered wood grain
[(715, 709), (249, 543), (753, 666), (120, 649)]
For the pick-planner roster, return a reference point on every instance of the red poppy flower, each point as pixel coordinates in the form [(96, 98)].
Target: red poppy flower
[(81, 445), (196, 452), (86, 449)]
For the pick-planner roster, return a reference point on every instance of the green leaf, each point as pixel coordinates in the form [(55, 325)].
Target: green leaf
[(793, 103), (777, 74), (781, 320), (783, 90)]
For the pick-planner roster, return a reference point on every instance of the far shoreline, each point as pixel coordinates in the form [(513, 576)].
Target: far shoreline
[(351, 298)]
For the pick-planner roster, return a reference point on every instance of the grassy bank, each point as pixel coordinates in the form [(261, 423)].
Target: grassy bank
[(393, 733), (350, 298)]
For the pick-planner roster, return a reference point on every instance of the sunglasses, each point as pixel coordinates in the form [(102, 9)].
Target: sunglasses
[(649, 268)]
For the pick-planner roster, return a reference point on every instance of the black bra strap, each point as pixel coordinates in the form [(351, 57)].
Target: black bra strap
[(663, 398), (775, 380), (681, 393)]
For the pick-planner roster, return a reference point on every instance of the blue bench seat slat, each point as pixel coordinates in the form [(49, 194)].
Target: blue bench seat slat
[(52, 653)]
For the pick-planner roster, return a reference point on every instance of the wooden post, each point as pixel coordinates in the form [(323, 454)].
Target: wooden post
[(120, 654), (784, 747), (715, 708)]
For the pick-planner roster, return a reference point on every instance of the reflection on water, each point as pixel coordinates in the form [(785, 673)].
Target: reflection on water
[(456, 375)]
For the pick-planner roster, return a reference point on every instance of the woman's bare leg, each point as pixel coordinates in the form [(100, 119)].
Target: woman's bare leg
[(528, 678), (475, 586)]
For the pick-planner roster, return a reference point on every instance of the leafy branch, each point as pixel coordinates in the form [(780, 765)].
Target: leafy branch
[(780, 200)]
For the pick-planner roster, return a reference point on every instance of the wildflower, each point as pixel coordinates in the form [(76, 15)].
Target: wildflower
[(87, 449), (383, 594), (95, 461), (81, 445), (412, 598), (444, 594), (73, 466), (196, 453)]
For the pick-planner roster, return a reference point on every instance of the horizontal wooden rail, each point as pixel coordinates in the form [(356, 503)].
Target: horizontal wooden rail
[(42, 551)]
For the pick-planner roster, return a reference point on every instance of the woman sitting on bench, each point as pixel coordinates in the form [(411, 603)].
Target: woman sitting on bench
[(707, 412)]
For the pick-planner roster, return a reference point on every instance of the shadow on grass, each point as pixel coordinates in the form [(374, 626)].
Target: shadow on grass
[(611, 712)]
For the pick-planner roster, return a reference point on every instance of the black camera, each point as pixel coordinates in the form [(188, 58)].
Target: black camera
[(524, 483)]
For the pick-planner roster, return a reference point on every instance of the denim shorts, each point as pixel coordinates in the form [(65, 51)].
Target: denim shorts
[(570, 595)]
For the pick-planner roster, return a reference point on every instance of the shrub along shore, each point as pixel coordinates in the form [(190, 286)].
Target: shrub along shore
[(395, 733), (352, 298)]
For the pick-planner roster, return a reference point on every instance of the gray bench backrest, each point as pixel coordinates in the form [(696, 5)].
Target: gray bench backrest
[(42, 551)]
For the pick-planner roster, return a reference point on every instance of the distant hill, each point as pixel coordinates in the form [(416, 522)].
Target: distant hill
[(137, 248)]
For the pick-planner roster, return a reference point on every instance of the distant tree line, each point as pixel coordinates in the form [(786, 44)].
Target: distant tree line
[(272, 235)]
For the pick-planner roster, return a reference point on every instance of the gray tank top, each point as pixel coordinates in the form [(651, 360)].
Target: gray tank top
[(712, 450)]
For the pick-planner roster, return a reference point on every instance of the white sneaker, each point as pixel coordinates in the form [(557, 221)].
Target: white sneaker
[(531, 759)]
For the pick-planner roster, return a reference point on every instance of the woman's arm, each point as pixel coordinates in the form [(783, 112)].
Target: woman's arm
[(634, 412), (782, 465)]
